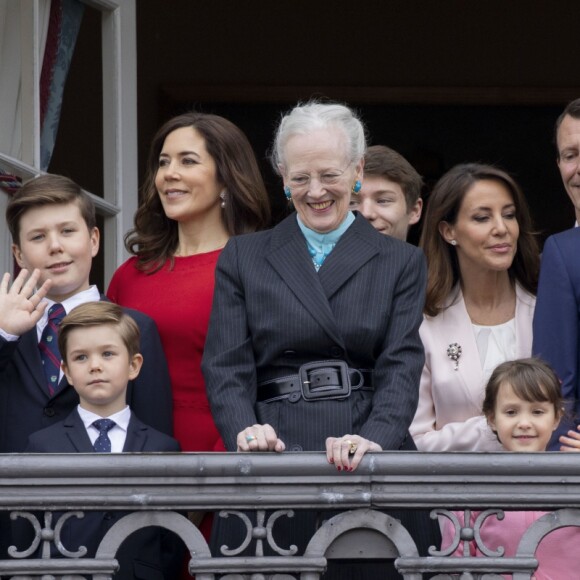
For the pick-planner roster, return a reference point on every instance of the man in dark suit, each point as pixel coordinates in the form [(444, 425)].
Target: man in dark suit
[(52, 222), (557, 314), (99, 344), (557, 325)]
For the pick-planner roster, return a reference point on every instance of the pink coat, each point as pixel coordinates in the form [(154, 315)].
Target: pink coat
[(558, 554), (448, 416)]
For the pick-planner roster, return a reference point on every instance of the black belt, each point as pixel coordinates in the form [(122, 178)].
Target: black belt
[(326, 379)]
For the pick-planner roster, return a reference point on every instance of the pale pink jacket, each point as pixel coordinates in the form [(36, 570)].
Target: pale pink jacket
[(448, 416), (557, 554)]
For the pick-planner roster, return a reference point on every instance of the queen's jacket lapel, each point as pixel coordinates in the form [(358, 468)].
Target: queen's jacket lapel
[(290, 258), (351, 253)]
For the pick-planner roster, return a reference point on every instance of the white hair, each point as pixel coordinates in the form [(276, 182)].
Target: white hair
[(308, 117)]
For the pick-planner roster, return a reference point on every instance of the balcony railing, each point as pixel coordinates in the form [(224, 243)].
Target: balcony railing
[(159, 488)]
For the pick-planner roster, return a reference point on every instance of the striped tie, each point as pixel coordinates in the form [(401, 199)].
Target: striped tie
[(48, 346)]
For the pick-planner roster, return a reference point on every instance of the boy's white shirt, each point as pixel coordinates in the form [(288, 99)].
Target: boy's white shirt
[(117, 435)]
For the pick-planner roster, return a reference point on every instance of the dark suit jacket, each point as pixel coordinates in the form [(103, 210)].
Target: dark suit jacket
[(147, 554), (26, 407), (70, 436), (273, 312), (557, 320)]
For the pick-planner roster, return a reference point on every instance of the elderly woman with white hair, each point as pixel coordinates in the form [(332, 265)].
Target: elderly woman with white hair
[(313, 341)]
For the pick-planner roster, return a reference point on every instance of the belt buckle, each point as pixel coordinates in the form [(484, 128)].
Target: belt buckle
[(342, 391)]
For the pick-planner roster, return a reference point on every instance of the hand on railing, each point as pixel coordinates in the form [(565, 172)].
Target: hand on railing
[(347, 451), (260, 438)]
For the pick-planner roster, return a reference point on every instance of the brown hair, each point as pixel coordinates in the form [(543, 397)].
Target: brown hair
[(381, 161), (531, 379), (101, 313), (154, 237), (443, 206), (44, 190), (573, 110)]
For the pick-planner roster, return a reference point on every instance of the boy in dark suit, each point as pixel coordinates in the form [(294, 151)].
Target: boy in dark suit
[(53, 227), (100, 350)]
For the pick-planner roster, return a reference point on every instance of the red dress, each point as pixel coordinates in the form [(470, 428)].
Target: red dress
[(179, 301)]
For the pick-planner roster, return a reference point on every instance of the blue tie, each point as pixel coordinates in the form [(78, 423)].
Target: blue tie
[(48, 346), (103, 443)]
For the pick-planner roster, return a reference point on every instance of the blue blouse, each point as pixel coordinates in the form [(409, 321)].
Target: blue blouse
[(320, 245)]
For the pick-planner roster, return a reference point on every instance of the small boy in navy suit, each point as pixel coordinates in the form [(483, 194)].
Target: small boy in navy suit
[(99, 345)]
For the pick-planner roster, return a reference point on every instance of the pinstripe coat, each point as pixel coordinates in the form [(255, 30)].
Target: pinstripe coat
[(273, 312)]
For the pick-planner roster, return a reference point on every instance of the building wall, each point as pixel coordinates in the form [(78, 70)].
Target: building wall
[(443, 82)]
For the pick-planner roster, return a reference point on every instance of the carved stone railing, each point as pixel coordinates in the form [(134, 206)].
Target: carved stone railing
[(159, 488)]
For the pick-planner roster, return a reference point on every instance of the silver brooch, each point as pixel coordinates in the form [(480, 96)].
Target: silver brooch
[(454, 353)]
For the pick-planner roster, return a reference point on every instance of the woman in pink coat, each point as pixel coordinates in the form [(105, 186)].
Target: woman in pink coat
[(483, 264)]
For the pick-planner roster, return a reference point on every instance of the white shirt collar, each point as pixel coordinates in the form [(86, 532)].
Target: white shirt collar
[(121, 418)]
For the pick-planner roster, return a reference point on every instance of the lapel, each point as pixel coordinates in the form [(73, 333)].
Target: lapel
[(458, 328), (525, 304), (30, 355), (76, 433), (290, 258), (136, 435), (354, 249)]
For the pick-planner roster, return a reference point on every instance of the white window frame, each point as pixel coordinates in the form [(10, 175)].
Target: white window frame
[(120, 166)]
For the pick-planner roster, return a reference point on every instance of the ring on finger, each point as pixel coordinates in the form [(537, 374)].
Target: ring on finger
[(352, 447), (250, 438)]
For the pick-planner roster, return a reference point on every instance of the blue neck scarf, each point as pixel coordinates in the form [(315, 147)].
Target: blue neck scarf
[(320, 245)]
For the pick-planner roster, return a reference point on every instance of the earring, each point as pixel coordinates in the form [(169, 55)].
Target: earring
[(223, 197), (287, 193), (357, 186), (453, 242)]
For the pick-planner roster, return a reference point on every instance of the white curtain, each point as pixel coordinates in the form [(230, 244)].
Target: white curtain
[(10, 73), (10, 101)]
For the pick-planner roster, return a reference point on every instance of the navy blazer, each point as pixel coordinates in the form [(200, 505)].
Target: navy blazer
[(70, 436), (272, 312), (26, 406), (557, 320), (148, 554)]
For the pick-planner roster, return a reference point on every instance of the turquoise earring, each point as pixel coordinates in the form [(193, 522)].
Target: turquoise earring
[(357, 186), (287, 193)]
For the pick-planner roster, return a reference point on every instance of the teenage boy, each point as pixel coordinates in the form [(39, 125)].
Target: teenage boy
[(100, 351), (390, 197), (54, 234)]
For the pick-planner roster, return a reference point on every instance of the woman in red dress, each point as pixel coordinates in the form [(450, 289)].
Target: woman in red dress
[(202, 186)]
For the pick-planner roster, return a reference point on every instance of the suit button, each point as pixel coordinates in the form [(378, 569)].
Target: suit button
[(336, 352), (49, 412), (295, 396), (289, 353), (296, 447)]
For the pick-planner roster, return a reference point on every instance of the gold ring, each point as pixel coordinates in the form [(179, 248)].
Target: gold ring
[(250, 438), (352, 447)]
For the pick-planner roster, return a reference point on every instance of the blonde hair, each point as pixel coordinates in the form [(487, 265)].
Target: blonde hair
[(103, 313)]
